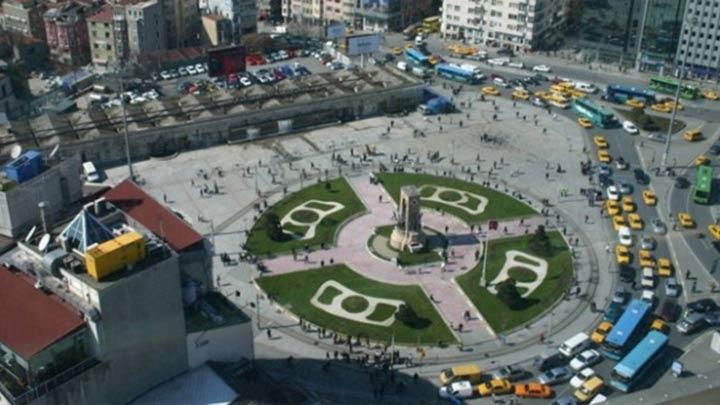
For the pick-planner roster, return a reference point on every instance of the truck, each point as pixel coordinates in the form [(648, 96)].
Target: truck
[(437, 105), (421, 72)]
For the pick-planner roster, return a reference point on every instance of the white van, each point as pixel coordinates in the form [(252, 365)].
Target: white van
[(402, 66), (586, 87), (574, 345), (90, 172)]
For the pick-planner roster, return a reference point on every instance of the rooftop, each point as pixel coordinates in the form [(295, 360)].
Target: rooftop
[(141, 207), (30, 319), (105, 14)]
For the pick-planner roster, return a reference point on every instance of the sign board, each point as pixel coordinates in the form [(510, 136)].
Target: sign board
[(226, 60), (335, 31), (362, 44)]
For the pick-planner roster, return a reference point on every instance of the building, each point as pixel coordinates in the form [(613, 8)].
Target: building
[(146, 317), (534, 24), (24, 17), (216, 30), (67, 34), (270, 10), (31, 52), (145, 25), (389, 15), (8, 102), (242, 15), (182, 22), (101, 31), (700, 38), (641, 33)]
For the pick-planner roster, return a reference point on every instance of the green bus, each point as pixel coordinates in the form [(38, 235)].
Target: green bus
[(703, 184), (589, 109), (669, 86)]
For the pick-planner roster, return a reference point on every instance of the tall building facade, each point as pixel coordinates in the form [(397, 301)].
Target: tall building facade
[(241, 13), (101, 32), (528, 25), (182, 22), (145, 26), (66, 33), (700, 38), (24, 17)]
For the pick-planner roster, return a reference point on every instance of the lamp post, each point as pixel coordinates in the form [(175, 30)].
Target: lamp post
[(120, 72), (690, 23)]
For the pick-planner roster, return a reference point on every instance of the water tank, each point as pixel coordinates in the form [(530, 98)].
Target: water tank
[(25, 167), (53, 260), (189, 292)]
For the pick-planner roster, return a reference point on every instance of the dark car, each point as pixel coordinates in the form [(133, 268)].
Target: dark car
[(627, 273), (538, 102), (641, 177), (702, 306), (389, 57), (681, 182), (613, 312), (511, 373), (568, 399), (713, 318), (715, 149), (669, 311), (540, 77), (494, 76), (548, 361), (506, 52)]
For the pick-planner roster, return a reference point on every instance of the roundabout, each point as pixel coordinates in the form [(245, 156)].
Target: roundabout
[(444, 290)]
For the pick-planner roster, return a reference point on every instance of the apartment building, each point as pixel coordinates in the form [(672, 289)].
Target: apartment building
[(101, 33), (66, 33), (515, 24), (182, 22), (24, 17), (242, 15), (700, 38), (145, 25)]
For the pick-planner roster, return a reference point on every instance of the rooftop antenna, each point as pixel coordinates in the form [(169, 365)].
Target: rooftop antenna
[(54, 151), (16, 151), (30, 234), (44, 242)]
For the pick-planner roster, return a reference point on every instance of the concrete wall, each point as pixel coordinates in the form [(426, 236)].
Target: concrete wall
[(59, 185), (228, 344), (141, 336), (221, 129)]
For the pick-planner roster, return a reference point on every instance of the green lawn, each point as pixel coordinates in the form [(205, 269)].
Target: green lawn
[(406, 258), (294, 291), (340, 191), (500, 205), (497, 314)]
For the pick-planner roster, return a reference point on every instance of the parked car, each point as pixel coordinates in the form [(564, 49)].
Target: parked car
[(657, 137), (670, 310), (701, 306), (460, 389), (630, 128), (691, 323), (613, 312), (585, 359), (619, 295), (672, 289), (533, 390), (557, 375), (658, 226), (191, 69), (547, 361), (510, 373), (541, 68), (713, 318), (182, 71), (582, 376)]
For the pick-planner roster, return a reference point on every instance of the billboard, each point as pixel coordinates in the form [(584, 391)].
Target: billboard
[(362, 44), (226, 60), (335, 31), (381, 6)]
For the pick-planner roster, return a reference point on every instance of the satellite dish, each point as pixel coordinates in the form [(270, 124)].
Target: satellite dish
[(30, 234), (16, 151), (44, 241), (54, 151)]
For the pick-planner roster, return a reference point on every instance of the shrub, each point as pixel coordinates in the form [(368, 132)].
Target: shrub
[(274, 228), (508, 293), (540, 243)]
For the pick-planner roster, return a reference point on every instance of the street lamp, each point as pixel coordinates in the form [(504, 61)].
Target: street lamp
[(691, 23), (120, 76)]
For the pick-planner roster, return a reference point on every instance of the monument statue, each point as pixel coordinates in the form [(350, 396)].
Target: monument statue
[(408, 230)]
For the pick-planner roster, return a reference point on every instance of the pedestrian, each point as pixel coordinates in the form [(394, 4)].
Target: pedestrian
[(587, 218), (269, 334), (164, 197)]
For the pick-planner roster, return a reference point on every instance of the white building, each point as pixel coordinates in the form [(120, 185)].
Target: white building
[(700, 35), (515, 24), (241, 13), (145, 24)]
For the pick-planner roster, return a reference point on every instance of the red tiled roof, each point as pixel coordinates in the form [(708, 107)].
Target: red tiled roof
[(137, 204), (105, 14), (31, 320)]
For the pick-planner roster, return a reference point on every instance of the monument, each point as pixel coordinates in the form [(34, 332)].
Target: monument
[(408, 230)]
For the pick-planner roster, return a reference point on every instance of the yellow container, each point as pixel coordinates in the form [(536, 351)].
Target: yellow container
[(115, 254)]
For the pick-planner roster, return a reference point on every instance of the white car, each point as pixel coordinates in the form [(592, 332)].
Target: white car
[(245, 81), (580, 378), (151, 95), (191, 69), (671, 287), (648, 296), (182, 71), (585, 359), (516, 65), (200, 68), (460, 389), (625, 188), (625, 236), (630, 128), (541, 68), (648, 278), (165, 75), (500, 82), (613, 193)]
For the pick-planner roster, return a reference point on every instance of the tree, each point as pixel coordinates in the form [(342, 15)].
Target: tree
[(540, 243), (273, 227), (409, 317), (508, 293)]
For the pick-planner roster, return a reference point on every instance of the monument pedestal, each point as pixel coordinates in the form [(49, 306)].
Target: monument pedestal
[(401, 239), (408, 231)]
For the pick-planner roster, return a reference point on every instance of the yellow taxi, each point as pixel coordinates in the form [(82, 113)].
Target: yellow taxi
[(661, 108), (635, 221), (496, 386), (692, 135), (612, 207), (671, 104), (600, 333), (622, 254), (435, 59), (646, 259), (701, 160), (634, 103), (604, 156), (618, 222), (659, 325), (628, 205), (600, 141), (711, 95), (714, 231), (520, 94), (585, 123), (649, 198), (490, 91), (664, 267), (397, 50), (409, 45), (542, 94), (686, 220), (589, 389)]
